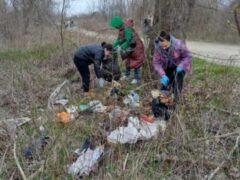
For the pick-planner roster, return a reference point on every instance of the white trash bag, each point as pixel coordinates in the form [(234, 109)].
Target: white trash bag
[(86, 162), (136, 130)]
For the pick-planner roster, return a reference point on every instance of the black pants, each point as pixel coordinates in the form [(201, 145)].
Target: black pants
[(83, 69), (175, 82)]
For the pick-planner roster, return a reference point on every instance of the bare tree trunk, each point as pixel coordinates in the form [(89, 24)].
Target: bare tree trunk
[(172, 16), (61, 32), (236, 10)]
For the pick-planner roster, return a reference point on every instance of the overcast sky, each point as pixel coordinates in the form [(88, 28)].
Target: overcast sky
[(77, 6)]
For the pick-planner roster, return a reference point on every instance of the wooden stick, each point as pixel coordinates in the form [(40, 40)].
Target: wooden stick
[(17, 162), (224, 110), (125, 162), (236, 132)]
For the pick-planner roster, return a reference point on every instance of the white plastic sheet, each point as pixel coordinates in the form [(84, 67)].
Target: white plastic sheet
[(86, 162), (136, 130)]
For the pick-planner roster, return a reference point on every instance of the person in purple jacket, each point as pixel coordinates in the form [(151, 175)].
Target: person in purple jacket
[(171, 60)]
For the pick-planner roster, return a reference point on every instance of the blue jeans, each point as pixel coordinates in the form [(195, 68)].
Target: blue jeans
[(136, 72)]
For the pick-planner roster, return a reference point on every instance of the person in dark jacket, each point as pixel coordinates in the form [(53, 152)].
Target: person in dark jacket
[(91, 54)]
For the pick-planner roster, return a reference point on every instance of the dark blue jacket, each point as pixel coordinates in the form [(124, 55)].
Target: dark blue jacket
[(91, 54)]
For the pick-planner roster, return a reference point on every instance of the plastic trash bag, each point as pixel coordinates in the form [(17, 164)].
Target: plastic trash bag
[(86, 162), (136, 130)]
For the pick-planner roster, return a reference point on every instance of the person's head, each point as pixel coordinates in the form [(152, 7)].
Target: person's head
[(116, 22), (108, 49), (164, 39)]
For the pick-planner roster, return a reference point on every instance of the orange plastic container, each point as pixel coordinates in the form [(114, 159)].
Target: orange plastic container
[(64, 117)]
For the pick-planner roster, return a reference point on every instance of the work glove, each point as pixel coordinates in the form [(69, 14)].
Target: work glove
[(164, 80), (179, 70), (101, 82), (119, 49)]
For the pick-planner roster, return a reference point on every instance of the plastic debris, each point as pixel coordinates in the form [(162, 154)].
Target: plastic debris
[(84, 146), (64, 117), (97, 107), (117, 113), (132, 100), (162, 104), (87, 160), (41, 128), (73, 111), (115, 91), (83, 107), (62, 102), (60, 93), (135, 131), (147, 118), (37, 145)]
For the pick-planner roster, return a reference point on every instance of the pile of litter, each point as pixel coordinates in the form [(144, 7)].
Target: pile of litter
[(136, 130), (142, 127)]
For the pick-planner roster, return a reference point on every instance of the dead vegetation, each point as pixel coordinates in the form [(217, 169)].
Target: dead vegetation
[(201, 140)]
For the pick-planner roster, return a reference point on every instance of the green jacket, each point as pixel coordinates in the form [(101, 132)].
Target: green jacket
[(124, 38)]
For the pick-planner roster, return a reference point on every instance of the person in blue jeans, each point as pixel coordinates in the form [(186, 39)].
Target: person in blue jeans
[(136, 74)]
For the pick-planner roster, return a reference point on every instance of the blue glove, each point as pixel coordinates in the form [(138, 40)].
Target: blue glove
[(164, 80), (179, 69)]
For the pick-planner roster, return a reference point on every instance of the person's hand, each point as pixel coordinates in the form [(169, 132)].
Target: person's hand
[(101, 82), (164, 80), (119, 49), (179, 69)]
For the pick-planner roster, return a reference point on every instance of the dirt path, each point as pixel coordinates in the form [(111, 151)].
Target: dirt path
[(225, 54), (218, 53)]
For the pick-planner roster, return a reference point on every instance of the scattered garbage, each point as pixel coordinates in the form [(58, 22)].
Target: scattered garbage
[(117, 113), (87, 160), (35, 147), (135, 131), (162, 104), (116, 84), (93, 106), (132, 100), (116, 92), (59, 95), (83, 107), (97, 107), (73, 111), (84, 146), (147, 118), (64, 117), (62, 102), (41, 128)]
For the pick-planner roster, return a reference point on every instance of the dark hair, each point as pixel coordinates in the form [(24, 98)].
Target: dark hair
[(109, 47), (164, 36)]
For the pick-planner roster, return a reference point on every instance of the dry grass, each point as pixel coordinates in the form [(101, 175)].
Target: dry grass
[(189, 149)]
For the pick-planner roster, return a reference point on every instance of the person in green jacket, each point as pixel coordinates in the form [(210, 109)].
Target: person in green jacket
[(130, 45)]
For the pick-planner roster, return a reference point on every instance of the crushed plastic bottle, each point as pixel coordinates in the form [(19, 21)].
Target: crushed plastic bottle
[(132, 100)]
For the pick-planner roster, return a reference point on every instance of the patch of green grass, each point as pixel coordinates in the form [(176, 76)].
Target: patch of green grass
[(37, 52), (204, 70), (216, 101)]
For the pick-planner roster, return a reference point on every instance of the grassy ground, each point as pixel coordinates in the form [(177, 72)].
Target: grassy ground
[(209, 108)]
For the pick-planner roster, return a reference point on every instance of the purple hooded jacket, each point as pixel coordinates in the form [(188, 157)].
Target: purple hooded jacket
[(178, 55)]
